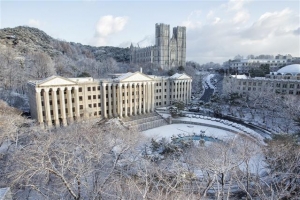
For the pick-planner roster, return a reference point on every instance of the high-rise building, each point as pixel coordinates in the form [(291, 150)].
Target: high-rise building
[(167, 52)]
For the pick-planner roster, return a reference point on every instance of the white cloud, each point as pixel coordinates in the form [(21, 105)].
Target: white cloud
[(217, 20), (272, 25), (193, 20), (236, 5), (107, 26), (110, 24), (241, 17), (221, 38), (34, 23)]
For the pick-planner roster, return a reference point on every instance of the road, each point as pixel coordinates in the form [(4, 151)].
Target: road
[(207, 93)]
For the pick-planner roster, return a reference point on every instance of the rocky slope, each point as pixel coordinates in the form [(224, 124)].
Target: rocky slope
[(27, 39)]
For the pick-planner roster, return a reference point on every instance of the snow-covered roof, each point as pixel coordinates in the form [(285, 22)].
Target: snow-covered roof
[(293, 69), (123, 76), (179, 76), (176, 75), (240, 76)]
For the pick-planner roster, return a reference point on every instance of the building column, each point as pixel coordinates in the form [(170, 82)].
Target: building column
[(55, 107), (152, 97), (140, 98), (69, 100), (47, 107), (184, 92), (130, 99), (134, 96), (104, 114), (120, 101), (76, 101), (144, 97), (62, 106), (178, 90), (114, 97), (39, 108), (125, 99), (148, 97), (175, 90), (189, 91), (181, 90), (109, 100)]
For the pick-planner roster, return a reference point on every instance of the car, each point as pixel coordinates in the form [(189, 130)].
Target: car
[(194, 109)]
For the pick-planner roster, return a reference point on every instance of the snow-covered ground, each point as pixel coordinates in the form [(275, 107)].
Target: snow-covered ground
[(208, 80), (220, 123), (256, 163), (170, 130)]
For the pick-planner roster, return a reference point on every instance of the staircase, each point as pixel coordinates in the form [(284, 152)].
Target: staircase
[(144, 122)]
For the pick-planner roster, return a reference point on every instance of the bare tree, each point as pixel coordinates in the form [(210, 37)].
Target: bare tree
[(40, 65), (76, 162)]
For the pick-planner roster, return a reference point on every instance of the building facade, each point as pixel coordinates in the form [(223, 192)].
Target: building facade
[(57, 101), (244, 65), (167, 52), (285, 81)]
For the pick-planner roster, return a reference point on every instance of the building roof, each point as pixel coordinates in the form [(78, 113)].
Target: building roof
[(293, 69), (240, 76)]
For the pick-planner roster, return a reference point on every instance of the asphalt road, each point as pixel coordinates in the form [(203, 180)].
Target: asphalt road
[(207, 94)]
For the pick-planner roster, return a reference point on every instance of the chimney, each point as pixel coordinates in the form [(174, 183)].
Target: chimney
[(141, 70)]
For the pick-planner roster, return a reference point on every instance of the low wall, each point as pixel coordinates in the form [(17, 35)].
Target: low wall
[(176, 121)]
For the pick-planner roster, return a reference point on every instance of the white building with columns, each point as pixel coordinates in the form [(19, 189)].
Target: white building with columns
[(57, 101)]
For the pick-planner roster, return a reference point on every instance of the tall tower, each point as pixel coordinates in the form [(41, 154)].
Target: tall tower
[(162, 39), (179, 33)]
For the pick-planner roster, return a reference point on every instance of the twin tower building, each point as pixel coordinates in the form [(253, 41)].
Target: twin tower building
[(167, 52)]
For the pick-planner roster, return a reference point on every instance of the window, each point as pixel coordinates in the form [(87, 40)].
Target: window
[(80, 89), (99, 104), (89, 88), (94, 88), (89, 97), (94, 96), (98, 87), (284, 85), (95, 105), (80, 98)]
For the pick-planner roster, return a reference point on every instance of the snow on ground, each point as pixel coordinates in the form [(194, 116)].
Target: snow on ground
[(170, 130), (207, 80), (219, 122), (256, 163)]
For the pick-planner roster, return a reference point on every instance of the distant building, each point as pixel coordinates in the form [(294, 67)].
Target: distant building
[(59, 101), (167, 52), (285, 81), (242, 66)]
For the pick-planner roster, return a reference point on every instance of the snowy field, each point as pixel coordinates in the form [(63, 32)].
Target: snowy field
[(256, 163), (168, 131)]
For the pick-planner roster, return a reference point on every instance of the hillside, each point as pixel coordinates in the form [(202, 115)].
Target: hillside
[(27, 39)]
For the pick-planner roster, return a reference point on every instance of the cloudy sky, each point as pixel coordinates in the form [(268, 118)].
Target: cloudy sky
[(216, 30)]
